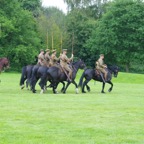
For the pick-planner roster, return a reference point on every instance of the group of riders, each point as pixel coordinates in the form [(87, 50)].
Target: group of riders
[(45, 59)]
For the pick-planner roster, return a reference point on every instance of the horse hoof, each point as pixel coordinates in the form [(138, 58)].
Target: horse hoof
[(55, 92), (109, 90), (103, 92), (42, 91), (64, 92), (77, 91), (22, 86), (83, 92), (34, 91), (89, 90)]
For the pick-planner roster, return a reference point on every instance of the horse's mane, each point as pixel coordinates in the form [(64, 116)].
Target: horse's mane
[(73, 63), (112, 67)]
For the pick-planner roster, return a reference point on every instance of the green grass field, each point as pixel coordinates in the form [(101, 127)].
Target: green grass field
[(91, 118)]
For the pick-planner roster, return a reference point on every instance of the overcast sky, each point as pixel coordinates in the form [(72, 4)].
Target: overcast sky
[(57, 3)]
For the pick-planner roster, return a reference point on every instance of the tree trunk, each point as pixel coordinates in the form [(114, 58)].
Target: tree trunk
[(127, 67)]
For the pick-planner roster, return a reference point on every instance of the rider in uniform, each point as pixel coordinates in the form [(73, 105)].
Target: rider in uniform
[(64, 62), (47, 57), (101, 66), (54, 60), (41, 58)]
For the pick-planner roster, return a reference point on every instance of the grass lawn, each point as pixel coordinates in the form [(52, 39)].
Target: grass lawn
[(91, 118)]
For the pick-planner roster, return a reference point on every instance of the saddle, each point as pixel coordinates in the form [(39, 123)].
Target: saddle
[(97, 72)]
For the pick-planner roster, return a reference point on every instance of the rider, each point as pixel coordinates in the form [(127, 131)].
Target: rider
[(47, 56), (101, 66), (64, 61), (53, 59), (41, 58)]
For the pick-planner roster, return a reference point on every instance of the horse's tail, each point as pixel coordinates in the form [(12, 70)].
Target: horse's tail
[(23, 76), (81, 80)]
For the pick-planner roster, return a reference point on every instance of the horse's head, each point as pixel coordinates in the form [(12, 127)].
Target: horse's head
[(4, 62), (79, 64), (114, 69)]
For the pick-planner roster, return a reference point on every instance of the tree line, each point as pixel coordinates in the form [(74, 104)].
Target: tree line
[(90, 27)]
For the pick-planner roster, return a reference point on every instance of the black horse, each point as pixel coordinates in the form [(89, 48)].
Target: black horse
[(26, 75), (35, 77), (41, 72), (56, 75), (89, 74), (31, 73)]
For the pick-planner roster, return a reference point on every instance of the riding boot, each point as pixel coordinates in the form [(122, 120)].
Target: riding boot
[(69, 79), (105, 76)]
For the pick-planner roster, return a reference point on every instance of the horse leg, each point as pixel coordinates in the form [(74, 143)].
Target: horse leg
[(103, 87), (68, 83), (27, 84), (22, 85), (33, 84), (54, 85), (110, 89), (88, 88), (77, 91), (84, 84), (42, 84), (63, 86)]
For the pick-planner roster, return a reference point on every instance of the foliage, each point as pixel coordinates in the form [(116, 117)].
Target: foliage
[(119, 33), (51, 23), (33, 6), (18, 34), (74, 4), (79, 28)]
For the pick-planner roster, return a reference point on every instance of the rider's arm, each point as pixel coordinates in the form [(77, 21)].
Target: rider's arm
[(70, 59)]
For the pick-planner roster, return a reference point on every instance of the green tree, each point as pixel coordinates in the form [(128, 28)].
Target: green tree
[(119, 33), (19, 39), (51, 23), (93, 4), (79, 28), (32, 5)]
